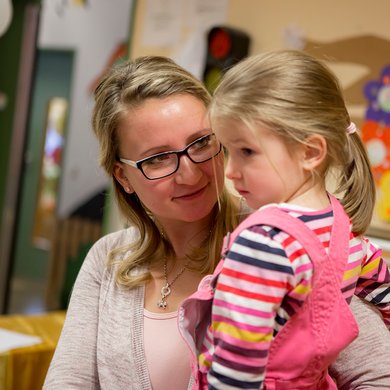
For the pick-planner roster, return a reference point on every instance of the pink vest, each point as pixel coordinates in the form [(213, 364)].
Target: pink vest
[(311, 340)]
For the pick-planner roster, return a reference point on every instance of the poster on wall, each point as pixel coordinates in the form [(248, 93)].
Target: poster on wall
[(45, 211), (376, 135), (370, 90)]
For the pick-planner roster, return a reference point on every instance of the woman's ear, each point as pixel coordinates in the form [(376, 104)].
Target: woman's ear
[(122, 179), (314, 152)]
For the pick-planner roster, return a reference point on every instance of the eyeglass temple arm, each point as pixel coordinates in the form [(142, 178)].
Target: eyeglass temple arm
[(129, 162)]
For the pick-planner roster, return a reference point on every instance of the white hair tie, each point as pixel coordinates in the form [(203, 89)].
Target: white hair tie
[(351, 128)]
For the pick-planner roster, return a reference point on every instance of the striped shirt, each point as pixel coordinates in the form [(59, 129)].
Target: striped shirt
[(266, 277)]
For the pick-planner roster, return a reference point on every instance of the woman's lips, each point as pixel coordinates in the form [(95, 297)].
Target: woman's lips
[(191, 195)]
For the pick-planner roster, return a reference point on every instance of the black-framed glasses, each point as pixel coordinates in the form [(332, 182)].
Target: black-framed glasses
[(167, 163)]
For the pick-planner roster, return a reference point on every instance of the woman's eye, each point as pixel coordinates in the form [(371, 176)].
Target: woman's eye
[(202, 143), (159, 160)]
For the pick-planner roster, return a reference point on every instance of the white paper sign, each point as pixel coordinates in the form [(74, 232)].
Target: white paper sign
[(162, 23), (11, 340), (200, 17)]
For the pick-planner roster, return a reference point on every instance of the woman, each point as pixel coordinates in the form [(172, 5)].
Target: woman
[(167, 169)]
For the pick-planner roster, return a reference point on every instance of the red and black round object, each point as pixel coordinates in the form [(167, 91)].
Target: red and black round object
[(225, 47)]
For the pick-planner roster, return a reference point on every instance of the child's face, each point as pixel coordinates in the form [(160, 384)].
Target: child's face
[(262, 168)]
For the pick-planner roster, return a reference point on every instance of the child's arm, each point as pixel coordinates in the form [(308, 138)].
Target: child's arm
[(255, 278), (373, 284)]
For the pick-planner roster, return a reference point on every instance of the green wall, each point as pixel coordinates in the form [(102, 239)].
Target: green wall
[(10, 55), (53, 74)]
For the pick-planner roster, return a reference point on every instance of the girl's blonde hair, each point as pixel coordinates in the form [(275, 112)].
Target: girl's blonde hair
[(296, 95), (123, 88)]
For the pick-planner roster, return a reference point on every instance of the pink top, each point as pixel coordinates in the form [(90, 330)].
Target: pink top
[(164, 349)]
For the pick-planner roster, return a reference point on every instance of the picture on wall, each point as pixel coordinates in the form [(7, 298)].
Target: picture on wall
[(45, 212), (376, 135), (370, 91)]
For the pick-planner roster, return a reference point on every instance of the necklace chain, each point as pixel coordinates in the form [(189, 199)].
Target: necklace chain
[(166, 289)]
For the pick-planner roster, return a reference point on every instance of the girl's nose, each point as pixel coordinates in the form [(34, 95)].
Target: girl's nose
[(230, 172), (188, 172)]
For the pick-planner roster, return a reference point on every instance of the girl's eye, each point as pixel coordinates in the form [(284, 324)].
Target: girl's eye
[(247, 151)]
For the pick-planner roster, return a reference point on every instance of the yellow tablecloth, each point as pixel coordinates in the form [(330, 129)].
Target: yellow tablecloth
[(25, 368)]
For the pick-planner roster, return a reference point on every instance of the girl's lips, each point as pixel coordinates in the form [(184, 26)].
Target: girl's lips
[(242, 192)]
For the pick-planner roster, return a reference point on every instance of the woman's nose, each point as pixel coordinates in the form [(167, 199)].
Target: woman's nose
[(188, 172)]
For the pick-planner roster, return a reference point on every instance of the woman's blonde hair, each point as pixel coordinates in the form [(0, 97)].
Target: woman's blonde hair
[(123, 88), (296, 95)]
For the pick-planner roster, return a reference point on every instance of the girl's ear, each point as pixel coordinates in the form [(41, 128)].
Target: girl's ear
[(314, 152), (122, 179)]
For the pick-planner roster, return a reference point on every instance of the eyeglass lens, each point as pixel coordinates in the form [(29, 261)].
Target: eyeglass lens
[(165, 164)]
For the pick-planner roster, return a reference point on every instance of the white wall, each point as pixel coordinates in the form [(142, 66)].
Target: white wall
[(92, 32)]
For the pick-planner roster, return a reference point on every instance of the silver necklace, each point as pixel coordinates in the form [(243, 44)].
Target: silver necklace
[(166, 289)]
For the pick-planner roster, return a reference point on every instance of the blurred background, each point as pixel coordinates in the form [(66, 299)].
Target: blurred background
[(55, 201)]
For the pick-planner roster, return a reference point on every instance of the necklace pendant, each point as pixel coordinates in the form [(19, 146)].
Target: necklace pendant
[(165, 291), (162, 304)]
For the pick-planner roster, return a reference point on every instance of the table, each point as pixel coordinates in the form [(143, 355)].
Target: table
[(25, 368)]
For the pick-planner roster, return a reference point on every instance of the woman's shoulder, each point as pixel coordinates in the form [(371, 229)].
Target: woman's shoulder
[(112, 246), (103, 257), (117, 239), (352, 370)]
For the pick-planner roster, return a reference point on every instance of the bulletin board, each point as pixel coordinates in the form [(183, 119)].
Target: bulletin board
[(352, 36)]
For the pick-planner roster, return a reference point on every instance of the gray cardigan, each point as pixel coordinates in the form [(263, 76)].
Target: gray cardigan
[(101, 344)]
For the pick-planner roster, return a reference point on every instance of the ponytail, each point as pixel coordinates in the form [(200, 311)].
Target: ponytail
[(358, 186)]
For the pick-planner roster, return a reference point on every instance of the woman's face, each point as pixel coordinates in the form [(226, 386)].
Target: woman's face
[(170, 124)]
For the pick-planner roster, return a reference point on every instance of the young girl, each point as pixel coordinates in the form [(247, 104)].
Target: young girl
[(280, 308)]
